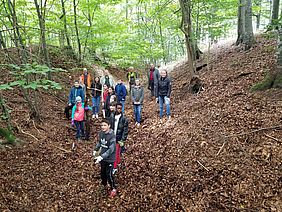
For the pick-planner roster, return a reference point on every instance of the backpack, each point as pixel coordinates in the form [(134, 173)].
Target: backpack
[(107, 80)]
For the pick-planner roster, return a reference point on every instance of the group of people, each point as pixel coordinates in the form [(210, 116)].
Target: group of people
[(114, 125)]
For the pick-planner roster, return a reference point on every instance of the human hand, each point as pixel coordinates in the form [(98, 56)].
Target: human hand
[(121, 143), (72, 122), (157, 100), (98, 159), (94, 153), (69, 104)]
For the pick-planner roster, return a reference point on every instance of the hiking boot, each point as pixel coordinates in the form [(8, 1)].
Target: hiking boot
[(113, 193)]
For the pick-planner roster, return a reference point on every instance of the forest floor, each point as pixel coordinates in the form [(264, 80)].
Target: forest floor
[(220, 152)]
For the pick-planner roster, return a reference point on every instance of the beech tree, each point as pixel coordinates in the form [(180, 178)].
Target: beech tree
[(245, 27)]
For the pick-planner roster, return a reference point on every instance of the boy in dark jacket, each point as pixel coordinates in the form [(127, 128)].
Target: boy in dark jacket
[(120, 91), (119, 124), (163, 90), (106, 147), (75, 91)]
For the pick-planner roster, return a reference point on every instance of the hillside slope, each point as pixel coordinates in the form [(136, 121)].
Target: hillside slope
[(220, 152)]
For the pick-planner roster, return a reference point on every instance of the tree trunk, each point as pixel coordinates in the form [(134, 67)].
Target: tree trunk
[(64, 16), (275, 10), (76, 30), (249, 35), (16, 30), (41, 19), (2, 41), (278, 78), (245, 27), (186, 27)]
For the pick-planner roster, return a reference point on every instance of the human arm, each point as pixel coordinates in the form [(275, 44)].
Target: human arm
[(72, 112), (125, 129), (142, 95), (169, 88)]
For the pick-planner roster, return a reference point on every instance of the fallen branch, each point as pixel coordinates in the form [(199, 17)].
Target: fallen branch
[(254, 131), (202, 165), (67, 151), (273, 138)]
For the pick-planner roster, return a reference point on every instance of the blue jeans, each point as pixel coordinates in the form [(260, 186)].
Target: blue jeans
[(123, 103), (137, 112), (79, 129), (96, 104), (164, 100)]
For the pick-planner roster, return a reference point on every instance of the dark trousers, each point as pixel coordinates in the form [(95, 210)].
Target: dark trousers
[(151, 85), (79, 129), (67, 111), (107, 174)]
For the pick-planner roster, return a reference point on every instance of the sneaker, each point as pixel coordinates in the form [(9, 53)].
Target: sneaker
[(113, 193), (97, 116), (161, 121), (169, 118), (93, 116), (138, 124), (73, 146), (114, 171)]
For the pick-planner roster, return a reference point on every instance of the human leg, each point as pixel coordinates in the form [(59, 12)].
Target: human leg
[(161, 103), (167, 105)]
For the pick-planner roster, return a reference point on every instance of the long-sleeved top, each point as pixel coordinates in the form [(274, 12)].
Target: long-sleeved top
[(121, 129), (74, 92), (107, 143), (163, 87), (137, 94), (96, 89), (78, 112), (120, 91)]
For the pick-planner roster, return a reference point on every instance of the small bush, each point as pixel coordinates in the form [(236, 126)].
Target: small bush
[(8, 135)]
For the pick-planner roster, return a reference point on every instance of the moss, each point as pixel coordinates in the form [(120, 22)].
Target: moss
[(8, 135), (278, 81), (265, 84)]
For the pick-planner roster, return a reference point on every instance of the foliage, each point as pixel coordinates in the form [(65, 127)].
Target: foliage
[(8, 135), (21, 73)]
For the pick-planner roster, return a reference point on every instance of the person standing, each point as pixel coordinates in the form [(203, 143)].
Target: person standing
[(75, 91), (104, 98), (163, 91), (119, 124), (137, 97), (107, 147), (96, 91), (120, 91), (131, 76), (77, 119), (107, 80), (153, 76), (86, 78), (111, 97)]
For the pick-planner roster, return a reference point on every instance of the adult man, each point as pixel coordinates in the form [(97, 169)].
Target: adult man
[(75, 91), (131, 76), (153, 76)]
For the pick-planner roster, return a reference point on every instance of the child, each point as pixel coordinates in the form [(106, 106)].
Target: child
[(77, 119), (104, 97), (107, 146), (119, 124), (110, 98), (137, 97)]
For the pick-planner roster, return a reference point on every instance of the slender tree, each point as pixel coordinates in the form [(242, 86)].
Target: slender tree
[(186, 27), (41, 12), (64, 17), (76, 29)]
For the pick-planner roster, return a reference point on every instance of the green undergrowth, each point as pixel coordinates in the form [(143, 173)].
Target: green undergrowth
[(8, 136)]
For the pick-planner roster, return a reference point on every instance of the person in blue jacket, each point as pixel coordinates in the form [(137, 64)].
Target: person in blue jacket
[(120, 91), (75, 91)]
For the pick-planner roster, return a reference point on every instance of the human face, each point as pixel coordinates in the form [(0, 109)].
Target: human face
[(76, 84), (85, 71), (105, 87), (97, 79), (137, 82), (112, 108), (119, 109), (105, 127), (110, 90), (152, 65), (163, 73)]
